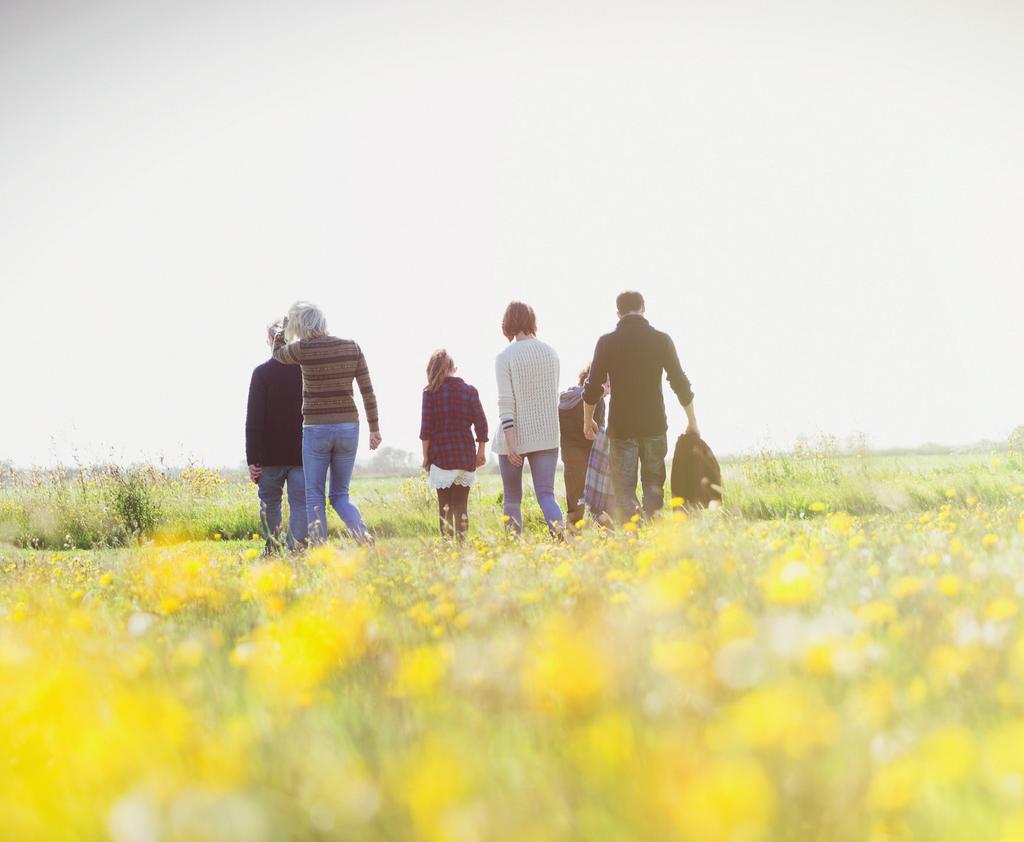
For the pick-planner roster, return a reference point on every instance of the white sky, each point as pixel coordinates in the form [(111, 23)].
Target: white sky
[(822, 203)]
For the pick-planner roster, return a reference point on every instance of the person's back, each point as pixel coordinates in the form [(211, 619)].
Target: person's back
[(273, 447), (330, 435), (274, 430), (451, 413), (452, 410), (570, 418), (329, 365), (635, 357), (528, 372), (527, 377)]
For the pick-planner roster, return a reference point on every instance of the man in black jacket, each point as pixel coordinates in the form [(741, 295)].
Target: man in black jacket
[(634, 357), (273, 446)]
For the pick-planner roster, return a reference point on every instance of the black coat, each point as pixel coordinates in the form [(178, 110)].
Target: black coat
[(273, 419), (636, 358), (696, 476)]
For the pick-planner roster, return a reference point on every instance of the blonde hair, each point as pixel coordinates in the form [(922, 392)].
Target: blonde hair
[(305, 321), (441, 365)]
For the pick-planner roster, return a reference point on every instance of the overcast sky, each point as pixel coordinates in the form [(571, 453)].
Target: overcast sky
[(822, 203)]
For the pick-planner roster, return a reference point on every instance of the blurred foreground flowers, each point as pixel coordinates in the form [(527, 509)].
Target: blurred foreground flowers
[(711, 679)]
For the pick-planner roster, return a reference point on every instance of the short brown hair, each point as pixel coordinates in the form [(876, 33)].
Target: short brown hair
[(630, 301), (519, 318)]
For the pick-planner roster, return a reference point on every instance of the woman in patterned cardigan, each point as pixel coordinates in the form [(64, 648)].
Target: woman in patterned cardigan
[(330, 420)]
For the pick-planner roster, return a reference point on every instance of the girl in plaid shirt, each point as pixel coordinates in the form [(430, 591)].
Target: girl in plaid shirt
[(451, 413)]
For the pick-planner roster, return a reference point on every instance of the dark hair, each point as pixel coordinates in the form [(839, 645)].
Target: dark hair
[(518, 318), (584, 375), (630, 301)]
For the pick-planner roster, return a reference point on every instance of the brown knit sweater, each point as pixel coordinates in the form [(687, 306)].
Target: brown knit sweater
[(329, 365)]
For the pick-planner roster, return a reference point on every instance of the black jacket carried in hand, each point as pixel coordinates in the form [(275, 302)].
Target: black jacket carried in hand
[(696, 477), (636, 357), (273, 420)]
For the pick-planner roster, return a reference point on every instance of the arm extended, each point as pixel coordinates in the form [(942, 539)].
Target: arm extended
[(286, 352), (680, 384), (594, 389), (426, 427), (369, 400), (507, 409), (480, 427)]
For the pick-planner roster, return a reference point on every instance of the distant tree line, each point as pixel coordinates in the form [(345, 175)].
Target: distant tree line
[(395, 462)]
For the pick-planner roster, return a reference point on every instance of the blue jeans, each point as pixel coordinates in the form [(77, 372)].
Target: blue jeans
[(650, 453), (542, 468), (271, 486), (330, 446)]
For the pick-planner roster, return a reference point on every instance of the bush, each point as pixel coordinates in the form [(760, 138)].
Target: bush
[(131, 498)]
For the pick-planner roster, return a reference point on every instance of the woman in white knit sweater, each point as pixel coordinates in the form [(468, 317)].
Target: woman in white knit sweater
[(527, 373)]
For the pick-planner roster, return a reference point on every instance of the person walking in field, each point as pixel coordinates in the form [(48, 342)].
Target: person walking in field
[(452, 412), (576, 446), (273, 447), (330, 431), (597, 486), (634, 357), (527, 372)]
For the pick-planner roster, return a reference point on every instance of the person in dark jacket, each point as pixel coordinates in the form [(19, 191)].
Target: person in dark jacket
[(273, 447), (635, 357), (576, 446)]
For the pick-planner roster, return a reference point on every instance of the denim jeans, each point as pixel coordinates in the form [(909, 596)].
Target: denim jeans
[(271, 486), (330, 447), (542, 467), (650, 453)]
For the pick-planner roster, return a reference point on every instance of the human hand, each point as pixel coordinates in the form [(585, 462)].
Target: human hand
[(375, 440), (481, 457), (591, 430), (255, 471), (515, 458)]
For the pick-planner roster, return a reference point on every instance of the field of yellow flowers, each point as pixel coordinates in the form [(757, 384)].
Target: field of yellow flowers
[(706, 678)]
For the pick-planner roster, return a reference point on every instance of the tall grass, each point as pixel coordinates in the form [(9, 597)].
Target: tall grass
[(780, 485), (112, 506)]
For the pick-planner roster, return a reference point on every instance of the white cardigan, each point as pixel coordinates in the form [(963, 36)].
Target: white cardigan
[(527, 372)]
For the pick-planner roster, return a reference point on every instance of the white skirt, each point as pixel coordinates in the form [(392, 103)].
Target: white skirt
[(441, 478)]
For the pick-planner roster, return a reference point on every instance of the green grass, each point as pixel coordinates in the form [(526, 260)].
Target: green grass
[(709, 678), (114, 507)]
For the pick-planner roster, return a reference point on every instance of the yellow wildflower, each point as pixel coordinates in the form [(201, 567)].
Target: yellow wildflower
[(728, 801)]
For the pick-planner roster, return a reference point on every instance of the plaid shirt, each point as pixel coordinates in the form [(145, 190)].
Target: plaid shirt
[(597, 488), (448, 416)]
